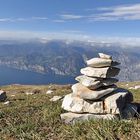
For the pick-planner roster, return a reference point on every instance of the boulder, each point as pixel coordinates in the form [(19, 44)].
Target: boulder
[(3, 96), (94, 83), (83, 92), (106, 72), (110, 104), (99, 62), (104, 56), (78, 105), (115, 102), (73, 117)]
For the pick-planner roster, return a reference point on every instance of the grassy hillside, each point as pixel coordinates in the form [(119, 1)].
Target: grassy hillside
[(34, 117)]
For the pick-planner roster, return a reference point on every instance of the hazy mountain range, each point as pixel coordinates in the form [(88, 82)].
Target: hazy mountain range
[(65, 57)]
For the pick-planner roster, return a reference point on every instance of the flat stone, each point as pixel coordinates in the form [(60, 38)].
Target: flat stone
[(3, 96), (85, 93), (104, 56), (129, 111), (106, 72), (115, 102), (56, 98), (99, 62), (78, 105), (72, 118), (94, 83)]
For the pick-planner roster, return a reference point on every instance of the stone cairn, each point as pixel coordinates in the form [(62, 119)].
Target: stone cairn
[(96, 96)]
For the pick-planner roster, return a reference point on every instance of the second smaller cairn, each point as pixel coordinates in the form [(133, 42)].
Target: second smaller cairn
[(95, 95)]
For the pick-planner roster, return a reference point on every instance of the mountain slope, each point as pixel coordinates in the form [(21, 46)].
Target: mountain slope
[(66, 58)]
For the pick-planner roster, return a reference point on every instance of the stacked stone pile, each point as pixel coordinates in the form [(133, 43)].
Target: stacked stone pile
[(96, 95)]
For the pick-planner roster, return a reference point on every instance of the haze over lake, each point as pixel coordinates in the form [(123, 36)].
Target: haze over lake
[(14, 76)]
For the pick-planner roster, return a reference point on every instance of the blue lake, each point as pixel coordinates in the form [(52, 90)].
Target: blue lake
[(14, 76)]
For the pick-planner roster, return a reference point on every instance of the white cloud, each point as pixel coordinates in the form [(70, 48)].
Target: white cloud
[(39, 18), (21, 19), (73, 31), (18, 34), (114, 13), (71, 16), (122, 12), (72, 35), (58, 21), (5, 19)]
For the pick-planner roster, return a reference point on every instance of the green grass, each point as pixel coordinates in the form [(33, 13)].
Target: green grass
[(34, 117)]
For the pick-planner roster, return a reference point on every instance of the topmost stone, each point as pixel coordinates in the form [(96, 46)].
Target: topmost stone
[(104, 60), (104, 56), (99, 62)]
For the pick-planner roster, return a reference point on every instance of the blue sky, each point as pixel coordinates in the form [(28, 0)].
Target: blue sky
[(70, 18)]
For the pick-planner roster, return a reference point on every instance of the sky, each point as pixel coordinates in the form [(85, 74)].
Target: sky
[(74, 19)]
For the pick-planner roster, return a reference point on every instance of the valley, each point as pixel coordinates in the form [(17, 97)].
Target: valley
[(59, 57)]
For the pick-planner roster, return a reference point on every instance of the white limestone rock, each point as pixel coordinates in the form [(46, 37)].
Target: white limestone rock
[(85, 93), (115, 102), (94, 83), (99, 62), (49, 92), (106, 72), (104, 56), (78, 105), (111, 104), (29, 93), (137, 87), (6, 103), (72, 118), (56, 98)]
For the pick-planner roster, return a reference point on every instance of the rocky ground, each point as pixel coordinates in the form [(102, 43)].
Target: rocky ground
[(28, 113)]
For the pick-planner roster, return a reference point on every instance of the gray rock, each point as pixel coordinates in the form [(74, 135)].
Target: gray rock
[(73, 117), (94, 83), (83, 92), (99, 62), (56, 98), (115, 102), (104, 56), (110, 104), (78, 105), (3, 96), (129, 111), (106, 72)]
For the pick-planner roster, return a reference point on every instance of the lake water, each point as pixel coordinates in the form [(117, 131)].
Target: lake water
[(14, 76)]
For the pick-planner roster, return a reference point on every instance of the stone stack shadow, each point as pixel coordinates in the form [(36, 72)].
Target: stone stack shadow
[(96, 96)]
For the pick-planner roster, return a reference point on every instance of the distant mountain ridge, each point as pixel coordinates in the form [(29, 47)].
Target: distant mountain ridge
[(67, 58)]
